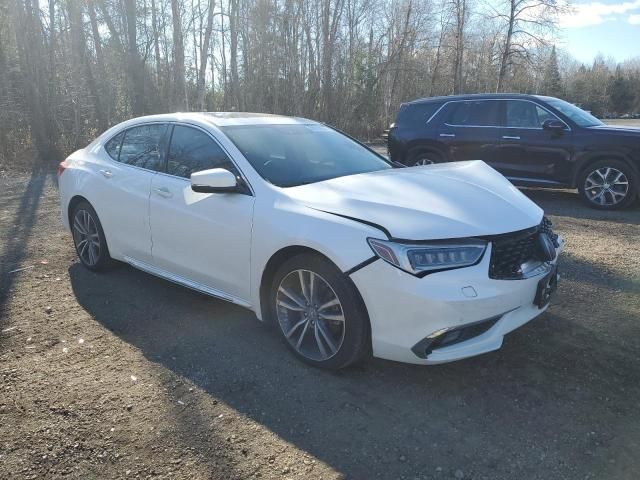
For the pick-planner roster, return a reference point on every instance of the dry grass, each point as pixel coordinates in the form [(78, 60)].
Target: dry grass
[(623, 122)]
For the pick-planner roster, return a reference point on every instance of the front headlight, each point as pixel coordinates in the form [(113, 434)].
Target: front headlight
[(427, 257)]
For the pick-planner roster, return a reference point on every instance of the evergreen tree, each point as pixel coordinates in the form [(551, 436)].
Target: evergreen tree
[(552, 81), (621, 94)]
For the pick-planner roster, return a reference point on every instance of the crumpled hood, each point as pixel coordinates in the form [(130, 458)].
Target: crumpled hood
[(449, 200)]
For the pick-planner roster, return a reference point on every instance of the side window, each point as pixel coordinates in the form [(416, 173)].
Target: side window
[(192, 150), (543, 115), (522, 114), (526, 114), (416, 114), (478, 113), (113, 146), (142, 146)]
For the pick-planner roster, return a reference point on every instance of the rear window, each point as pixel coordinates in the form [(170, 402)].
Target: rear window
[(113, 146), (416, 113), (475, 113)]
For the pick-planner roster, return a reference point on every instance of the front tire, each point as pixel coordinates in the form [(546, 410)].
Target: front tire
[(608, 185), (88, 238), (423, 157), (319, 312)]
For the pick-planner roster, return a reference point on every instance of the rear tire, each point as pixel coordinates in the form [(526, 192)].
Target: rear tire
[(88, 238), (319, 312), (608, 184), (424, 157)]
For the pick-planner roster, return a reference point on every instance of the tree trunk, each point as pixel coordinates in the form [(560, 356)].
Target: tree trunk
[(233, 52), (180, 93), (204, 56), (33, 64), (326, 60), (436, 67), (135, 66), (460, 10), (506, 52), (225, 90), (156, 48), (81, 59)]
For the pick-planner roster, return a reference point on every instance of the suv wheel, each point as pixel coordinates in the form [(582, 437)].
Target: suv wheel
[(424, 158), (319, 312), (608, 185)]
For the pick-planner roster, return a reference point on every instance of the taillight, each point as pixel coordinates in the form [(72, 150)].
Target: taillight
[(61, 167)]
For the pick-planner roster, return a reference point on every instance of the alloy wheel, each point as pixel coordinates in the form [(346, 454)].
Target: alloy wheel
[(310, 315), (423, 161), (86, 237), (606, 186)]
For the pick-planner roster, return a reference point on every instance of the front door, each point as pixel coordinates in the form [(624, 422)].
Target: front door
[(201, 237), (530, 154)]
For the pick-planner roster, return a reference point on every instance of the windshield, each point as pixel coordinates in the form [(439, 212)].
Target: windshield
[(291, 155), (579, 116)]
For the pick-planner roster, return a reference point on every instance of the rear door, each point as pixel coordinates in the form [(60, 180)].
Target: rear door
[(471, 130), (122, 195), (530, 154), (412, 133), (202, 237)]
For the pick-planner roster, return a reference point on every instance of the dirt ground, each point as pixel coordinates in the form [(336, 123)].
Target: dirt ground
[(122, 375)]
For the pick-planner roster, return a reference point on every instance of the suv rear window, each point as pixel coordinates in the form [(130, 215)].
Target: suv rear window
[(416, 113), (475, 113)]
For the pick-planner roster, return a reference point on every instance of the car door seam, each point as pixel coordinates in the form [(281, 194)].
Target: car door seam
[(149, 212)]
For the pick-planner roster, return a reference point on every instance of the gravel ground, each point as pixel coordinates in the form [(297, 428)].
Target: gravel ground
[(124, 375)]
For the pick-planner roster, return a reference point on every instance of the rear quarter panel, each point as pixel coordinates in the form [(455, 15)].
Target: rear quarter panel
[(82, 178)]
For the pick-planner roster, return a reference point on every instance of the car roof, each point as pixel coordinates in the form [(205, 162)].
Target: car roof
[(222, 119), (474, 96)]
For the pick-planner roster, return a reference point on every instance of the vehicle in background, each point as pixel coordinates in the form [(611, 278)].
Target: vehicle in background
[(532, 140), (343, 253)]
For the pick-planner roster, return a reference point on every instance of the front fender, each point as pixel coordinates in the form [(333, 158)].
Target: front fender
[(286, 224)]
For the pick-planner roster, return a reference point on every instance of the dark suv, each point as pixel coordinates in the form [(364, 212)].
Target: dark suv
[(530, 139)]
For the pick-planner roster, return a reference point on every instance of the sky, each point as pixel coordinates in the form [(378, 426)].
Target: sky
[(609, 27)]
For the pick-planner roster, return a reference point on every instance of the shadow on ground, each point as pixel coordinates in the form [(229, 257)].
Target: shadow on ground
[(16, 235), (535, 409)]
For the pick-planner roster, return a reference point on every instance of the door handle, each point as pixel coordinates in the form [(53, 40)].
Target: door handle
[(106, 173), (447, 134), (163, 192), (509, 137)]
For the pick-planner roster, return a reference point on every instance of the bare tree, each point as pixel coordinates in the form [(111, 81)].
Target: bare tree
[(135, 65), (180, 100), (460, 14), (204, 55), (527, 26), (71, 68)]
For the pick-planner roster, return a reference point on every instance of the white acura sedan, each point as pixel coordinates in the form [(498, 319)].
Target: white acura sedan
[(345, 252)]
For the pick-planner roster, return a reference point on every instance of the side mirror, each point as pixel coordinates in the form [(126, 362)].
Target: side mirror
[(554, 125), (215, 180)]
